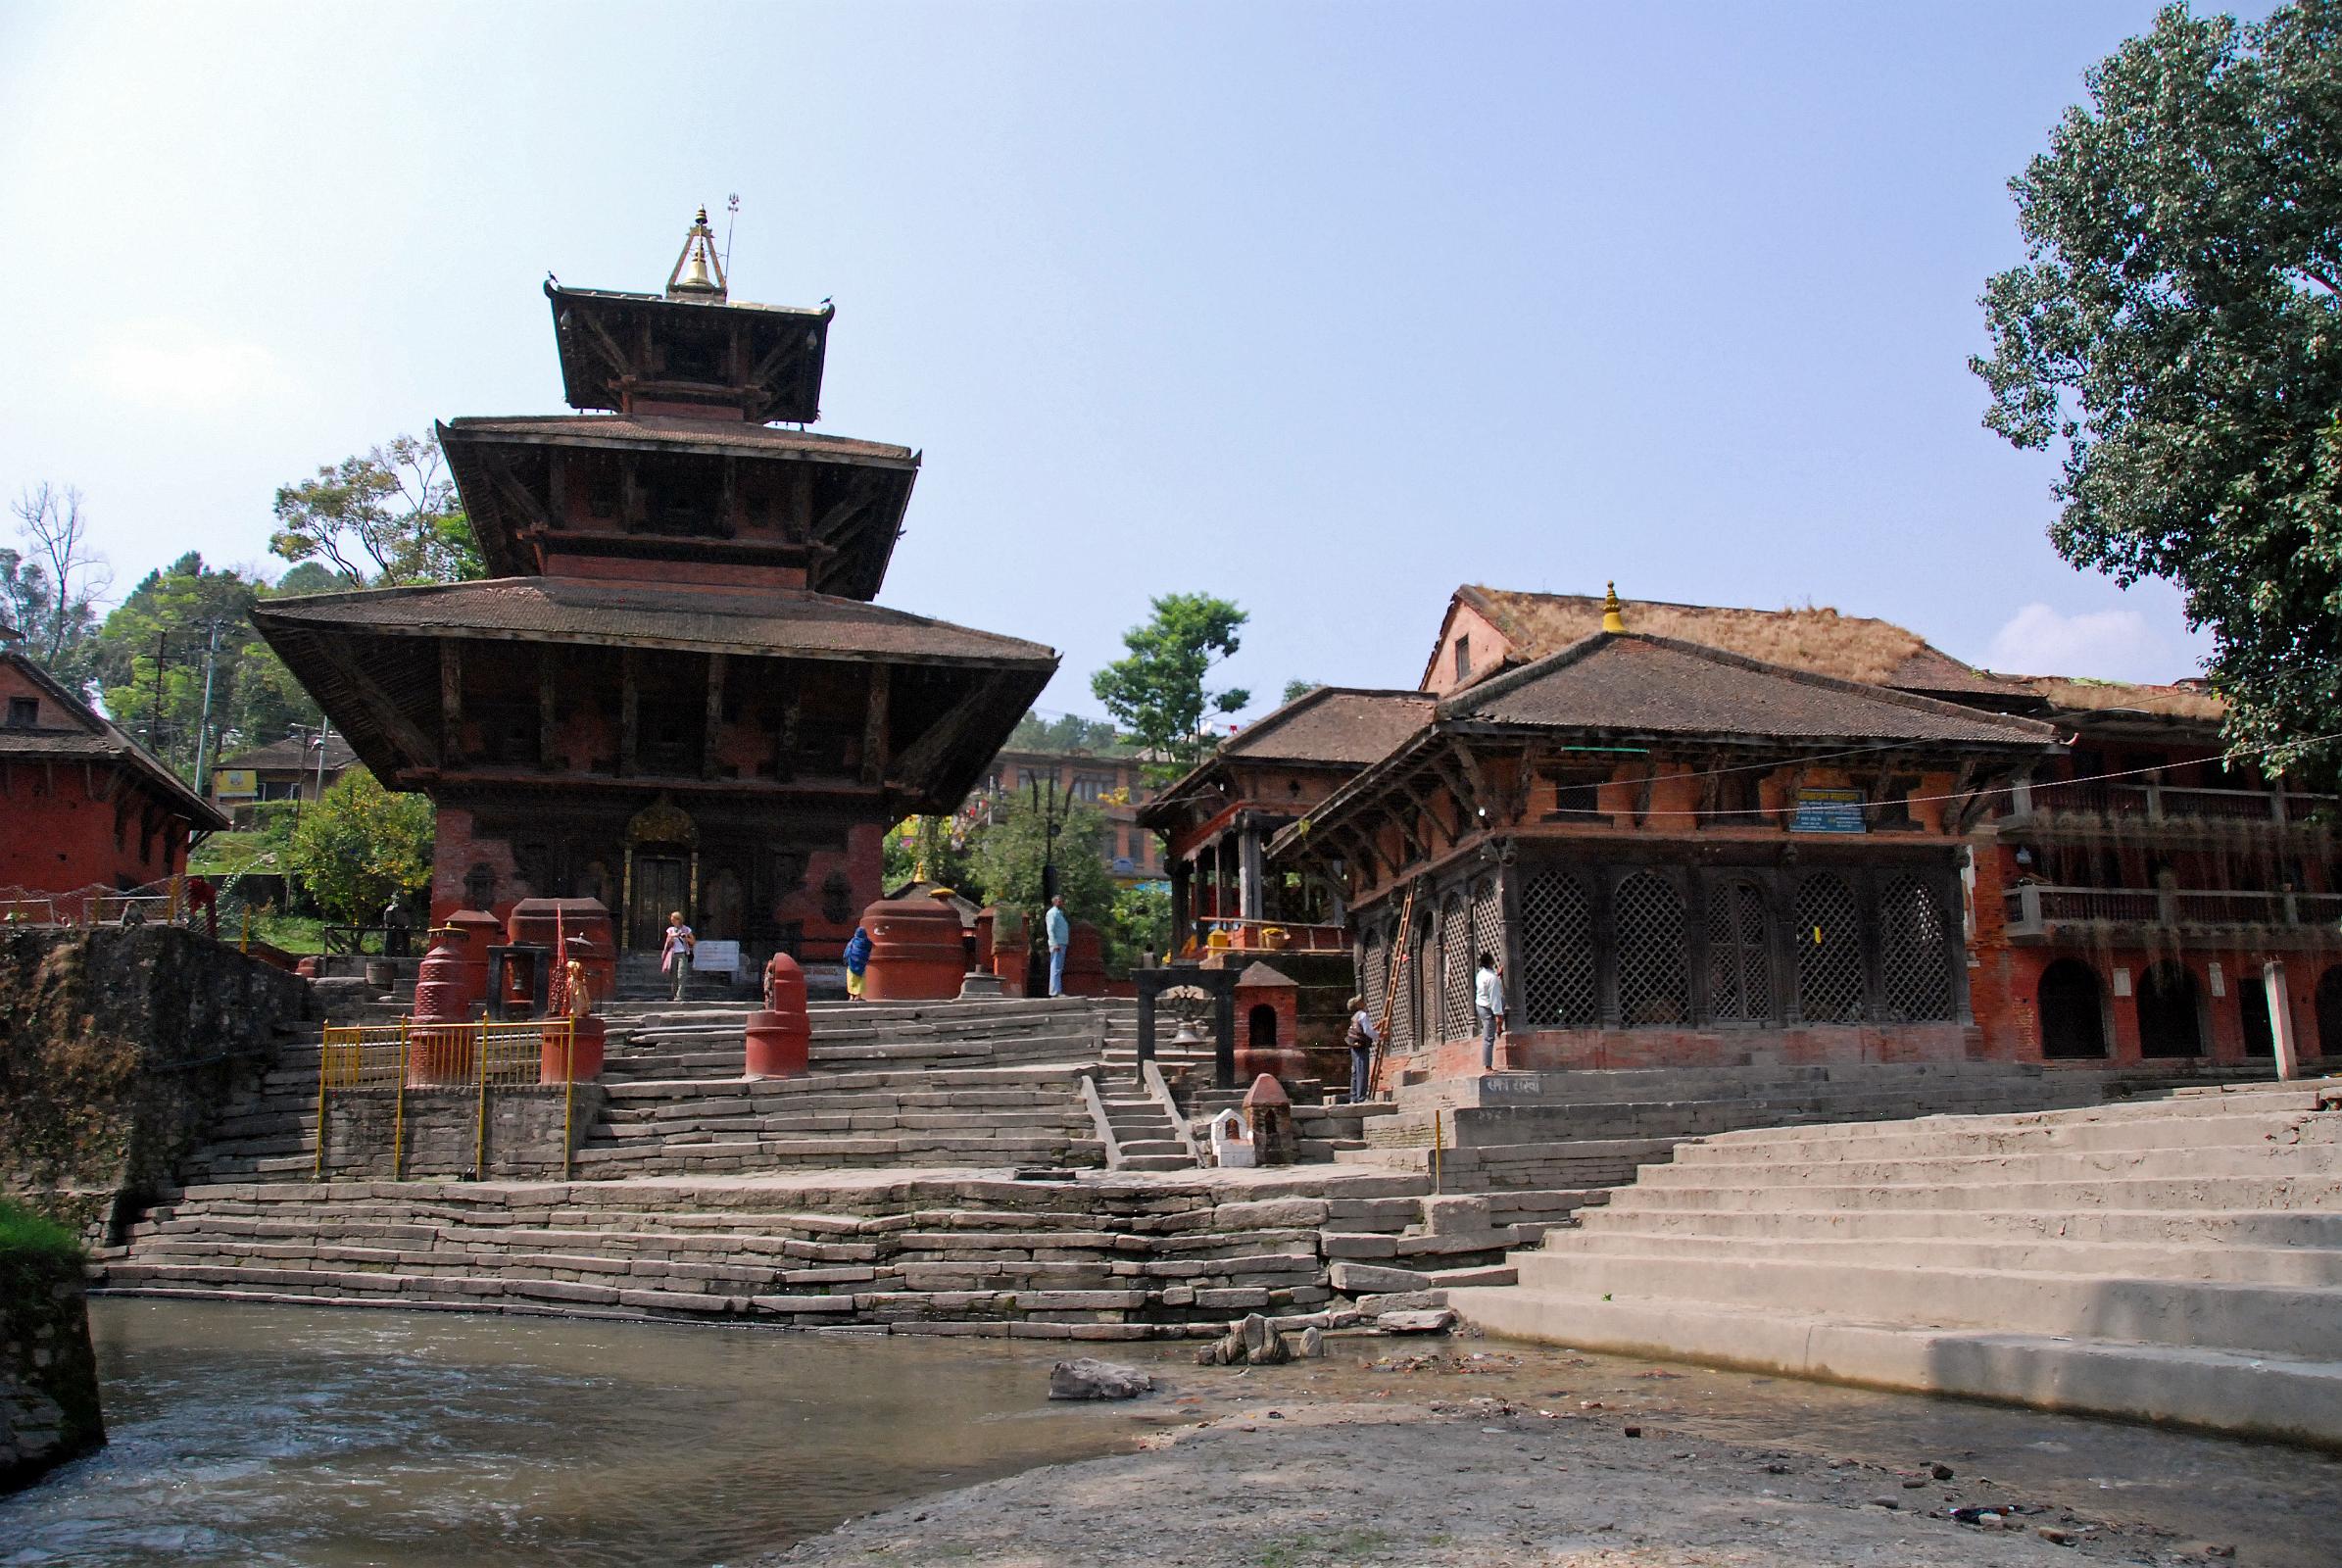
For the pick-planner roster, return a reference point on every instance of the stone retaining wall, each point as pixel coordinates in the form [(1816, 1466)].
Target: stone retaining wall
[(117, 1046), (48, 1374), (439, 1131)]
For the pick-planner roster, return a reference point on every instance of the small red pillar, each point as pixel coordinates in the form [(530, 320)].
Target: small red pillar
[(780, 1034)]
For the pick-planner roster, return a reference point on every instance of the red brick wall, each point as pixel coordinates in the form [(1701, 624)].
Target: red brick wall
[(56, 835)]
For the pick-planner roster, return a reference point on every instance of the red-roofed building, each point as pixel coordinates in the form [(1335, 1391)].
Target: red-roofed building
[(82, 804)]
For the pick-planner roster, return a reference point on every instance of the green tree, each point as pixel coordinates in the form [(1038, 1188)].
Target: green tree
[(1157, 692), (1007, 858), (361, 845), (2176, 332), (927, 840), (1067, 733), (172, 615), (1296, 690), (1140, 925), (384, 520)]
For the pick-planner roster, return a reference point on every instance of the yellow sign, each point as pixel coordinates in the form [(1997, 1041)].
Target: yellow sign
[(234, 783)]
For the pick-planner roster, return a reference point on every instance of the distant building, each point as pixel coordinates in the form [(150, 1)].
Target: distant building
[(1115, 784), (281, 770), (82, 804)]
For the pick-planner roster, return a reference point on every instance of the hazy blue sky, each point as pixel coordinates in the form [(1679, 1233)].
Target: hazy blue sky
[(1325, 308)]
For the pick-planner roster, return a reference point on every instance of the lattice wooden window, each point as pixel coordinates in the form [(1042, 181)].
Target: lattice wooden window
[(1915, 955), (1487, 921), (1422, 998), (1829, 942), (1739, 954), (1374, 961), (1654, 977), (1455, 971), (1558, 953)]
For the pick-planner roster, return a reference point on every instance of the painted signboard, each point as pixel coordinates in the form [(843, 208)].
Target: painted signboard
[(234, 783), (1829, 811)]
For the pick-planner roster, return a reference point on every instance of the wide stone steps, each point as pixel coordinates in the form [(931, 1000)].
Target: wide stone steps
[(2179, 1259), (1133, 1259), (2248, 1227)]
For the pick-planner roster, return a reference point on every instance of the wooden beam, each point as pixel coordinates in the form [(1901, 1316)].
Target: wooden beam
[(874, 724), (451, 701), (377, 702), (712, 731), (630, 703)]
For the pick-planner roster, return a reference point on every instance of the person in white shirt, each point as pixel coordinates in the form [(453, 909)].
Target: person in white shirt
[(1488, 999), (1360, 1038)]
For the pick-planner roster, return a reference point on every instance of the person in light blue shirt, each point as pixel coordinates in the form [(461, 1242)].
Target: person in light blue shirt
[(1061, 931)]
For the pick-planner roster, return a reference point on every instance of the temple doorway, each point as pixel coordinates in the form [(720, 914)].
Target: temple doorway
[(2171, 1017), (2329, 1013), (661, 886), (2072, 1014), (2252, 1005)]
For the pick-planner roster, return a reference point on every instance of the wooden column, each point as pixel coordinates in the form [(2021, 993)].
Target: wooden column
[(549, 738), (714, 730), (451, 702), (874, 725), (629, 711)]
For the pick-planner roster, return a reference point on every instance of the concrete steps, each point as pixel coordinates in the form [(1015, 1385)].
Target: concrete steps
[(2151, 1258)]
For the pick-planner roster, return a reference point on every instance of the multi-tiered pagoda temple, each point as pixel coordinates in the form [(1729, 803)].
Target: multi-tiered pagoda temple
[(674, 690)]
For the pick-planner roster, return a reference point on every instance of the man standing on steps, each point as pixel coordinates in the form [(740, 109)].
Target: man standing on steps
[(1488, 999), (676, 955), (1360, 1038), (1061, 931)]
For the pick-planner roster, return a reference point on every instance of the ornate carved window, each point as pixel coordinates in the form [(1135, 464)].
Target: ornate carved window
[(1558, 953), (1915, 950), (1739, 953), (1653, 974), (1487, 920), (1373, 961), (1828, 944)]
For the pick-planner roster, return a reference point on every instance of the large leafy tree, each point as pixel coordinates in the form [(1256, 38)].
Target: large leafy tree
[(2177, 333), (1007, 857), (361, 845), (383, 519), (1067, 733), (1158, 691), (151, 655)]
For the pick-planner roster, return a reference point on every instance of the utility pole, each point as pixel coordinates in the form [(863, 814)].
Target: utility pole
[(203, 731), (154, 717), (1051, 823)]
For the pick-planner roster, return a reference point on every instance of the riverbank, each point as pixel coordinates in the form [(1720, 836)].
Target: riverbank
[(1476, 1455), (49, 1410)]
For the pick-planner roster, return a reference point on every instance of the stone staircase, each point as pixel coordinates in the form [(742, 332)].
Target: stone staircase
[(1103, 1258), (2171, 1260), (1144, 1133)]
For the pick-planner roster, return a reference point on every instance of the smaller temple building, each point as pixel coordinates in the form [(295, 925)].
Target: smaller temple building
[(299, 768), (82, 804), (1218, 819), (1681, 856)]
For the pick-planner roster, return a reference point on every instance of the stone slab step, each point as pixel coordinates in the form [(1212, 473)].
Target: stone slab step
[(2250, 1227), (2290, 1399)]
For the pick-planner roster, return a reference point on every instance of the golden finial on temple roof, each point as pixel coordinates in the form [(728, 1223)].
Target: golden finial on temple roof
[(700, 270), (1612, 619)]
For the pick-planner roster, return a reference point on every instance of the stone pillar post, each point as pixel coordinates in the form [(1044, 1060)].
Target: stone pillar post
[(2280, 1020), (1248, 873)]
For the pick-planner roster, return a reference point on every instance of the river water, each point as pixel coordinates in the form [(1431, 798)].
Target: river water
[(329, 1438)]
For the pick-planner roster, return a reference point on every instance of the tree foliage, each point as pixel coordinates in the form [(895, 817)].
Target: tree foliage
[(1007, 858), (361, 845), (1157, 692), (389, 517), (1067, 733), (49, 589), (2178, 333), (1296, 690), (170, 617)]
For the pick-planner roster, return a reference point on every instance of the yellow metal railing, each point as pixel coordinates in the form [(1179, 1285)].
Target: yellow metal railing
[(483, 1055)]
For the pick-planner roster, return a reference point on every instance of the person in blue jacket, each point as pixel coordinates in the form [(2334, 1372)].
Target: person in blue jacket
[(857, 959)]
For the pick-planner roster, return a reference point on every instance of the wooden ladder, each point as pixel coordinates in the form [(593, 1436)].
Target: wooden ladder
[(1391, 979)]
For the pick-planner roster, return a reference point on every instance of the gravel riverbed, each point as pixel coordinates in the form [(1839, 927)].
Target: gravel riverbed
[(1476, 1453)]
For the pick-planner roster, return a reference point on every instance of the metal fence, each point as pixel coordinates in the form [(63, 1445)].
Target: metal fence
[(484, 1057)]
